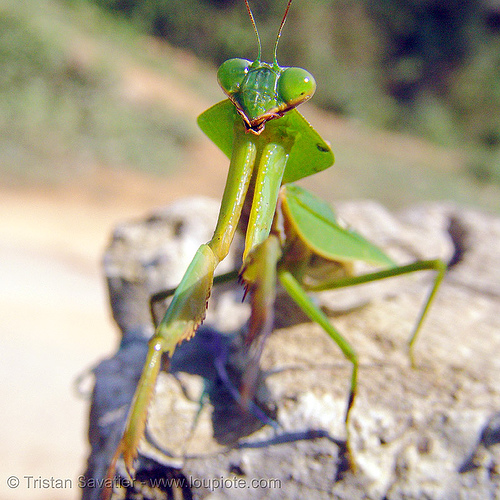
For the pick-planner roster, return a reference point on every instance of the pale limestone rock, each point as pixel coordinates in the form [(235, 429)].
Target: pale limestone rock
[(415, 433)]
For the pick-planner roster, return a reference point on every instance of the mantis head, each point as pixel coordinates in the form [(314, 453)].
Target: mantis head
[(262, 91)]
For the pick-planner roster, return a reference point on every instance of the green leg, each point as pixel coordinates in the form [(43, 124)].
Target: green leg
[(165, 294), (425, 265), (259, 275), (298, 294), (295, 290), (188, 307), (265, 197)]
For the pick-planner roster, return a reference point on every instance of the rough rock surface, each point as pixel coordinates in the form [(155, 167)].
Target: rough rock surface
[(428, 432)]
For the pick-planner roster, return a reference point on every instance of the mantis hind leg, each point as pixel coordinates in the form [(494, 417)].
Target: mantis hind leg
[(295, 290), (298, 294), (436, 265)]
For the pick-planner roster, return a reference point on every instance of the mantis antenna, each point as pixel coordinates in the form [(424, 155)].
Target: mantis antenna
[(259, 53), (252, 19), (275, 61)]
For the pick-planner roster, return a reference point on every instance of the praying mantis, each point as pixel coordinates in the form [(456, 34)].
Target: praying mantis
[(291, 236)]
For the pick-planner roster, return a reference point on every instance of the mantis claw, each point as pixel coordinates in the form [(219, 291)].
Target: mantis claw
[(128, 455), (350, 402), (185, 314)]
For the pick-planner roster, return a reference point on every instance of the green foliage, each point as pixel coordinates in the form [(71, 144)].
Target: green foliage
[(429, 66), (60, 113), (475, 97)]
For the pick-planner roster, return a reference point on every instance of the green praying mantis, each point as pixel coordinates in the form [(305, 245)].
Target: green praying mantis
[(291, 236)]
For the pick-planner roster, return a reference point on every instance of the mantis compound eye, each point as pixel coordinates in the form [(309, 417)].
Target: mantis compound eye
[(232, 73), (295, 85)]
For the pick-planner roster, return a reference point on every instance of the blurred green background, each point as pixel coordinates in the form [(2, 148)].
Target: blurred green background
[(410, 90)]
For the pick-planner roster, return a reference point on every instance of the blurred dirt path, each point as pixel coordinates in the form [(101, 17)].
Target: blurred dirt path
[(54, 319)]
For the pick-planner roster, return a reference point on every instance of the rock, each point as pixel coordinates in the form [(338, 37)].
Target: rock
[(415, 433)]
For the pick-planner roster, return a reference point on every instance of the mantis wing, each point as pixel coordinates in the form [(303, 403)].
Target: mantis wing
[(320, 229), (309, 154)]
